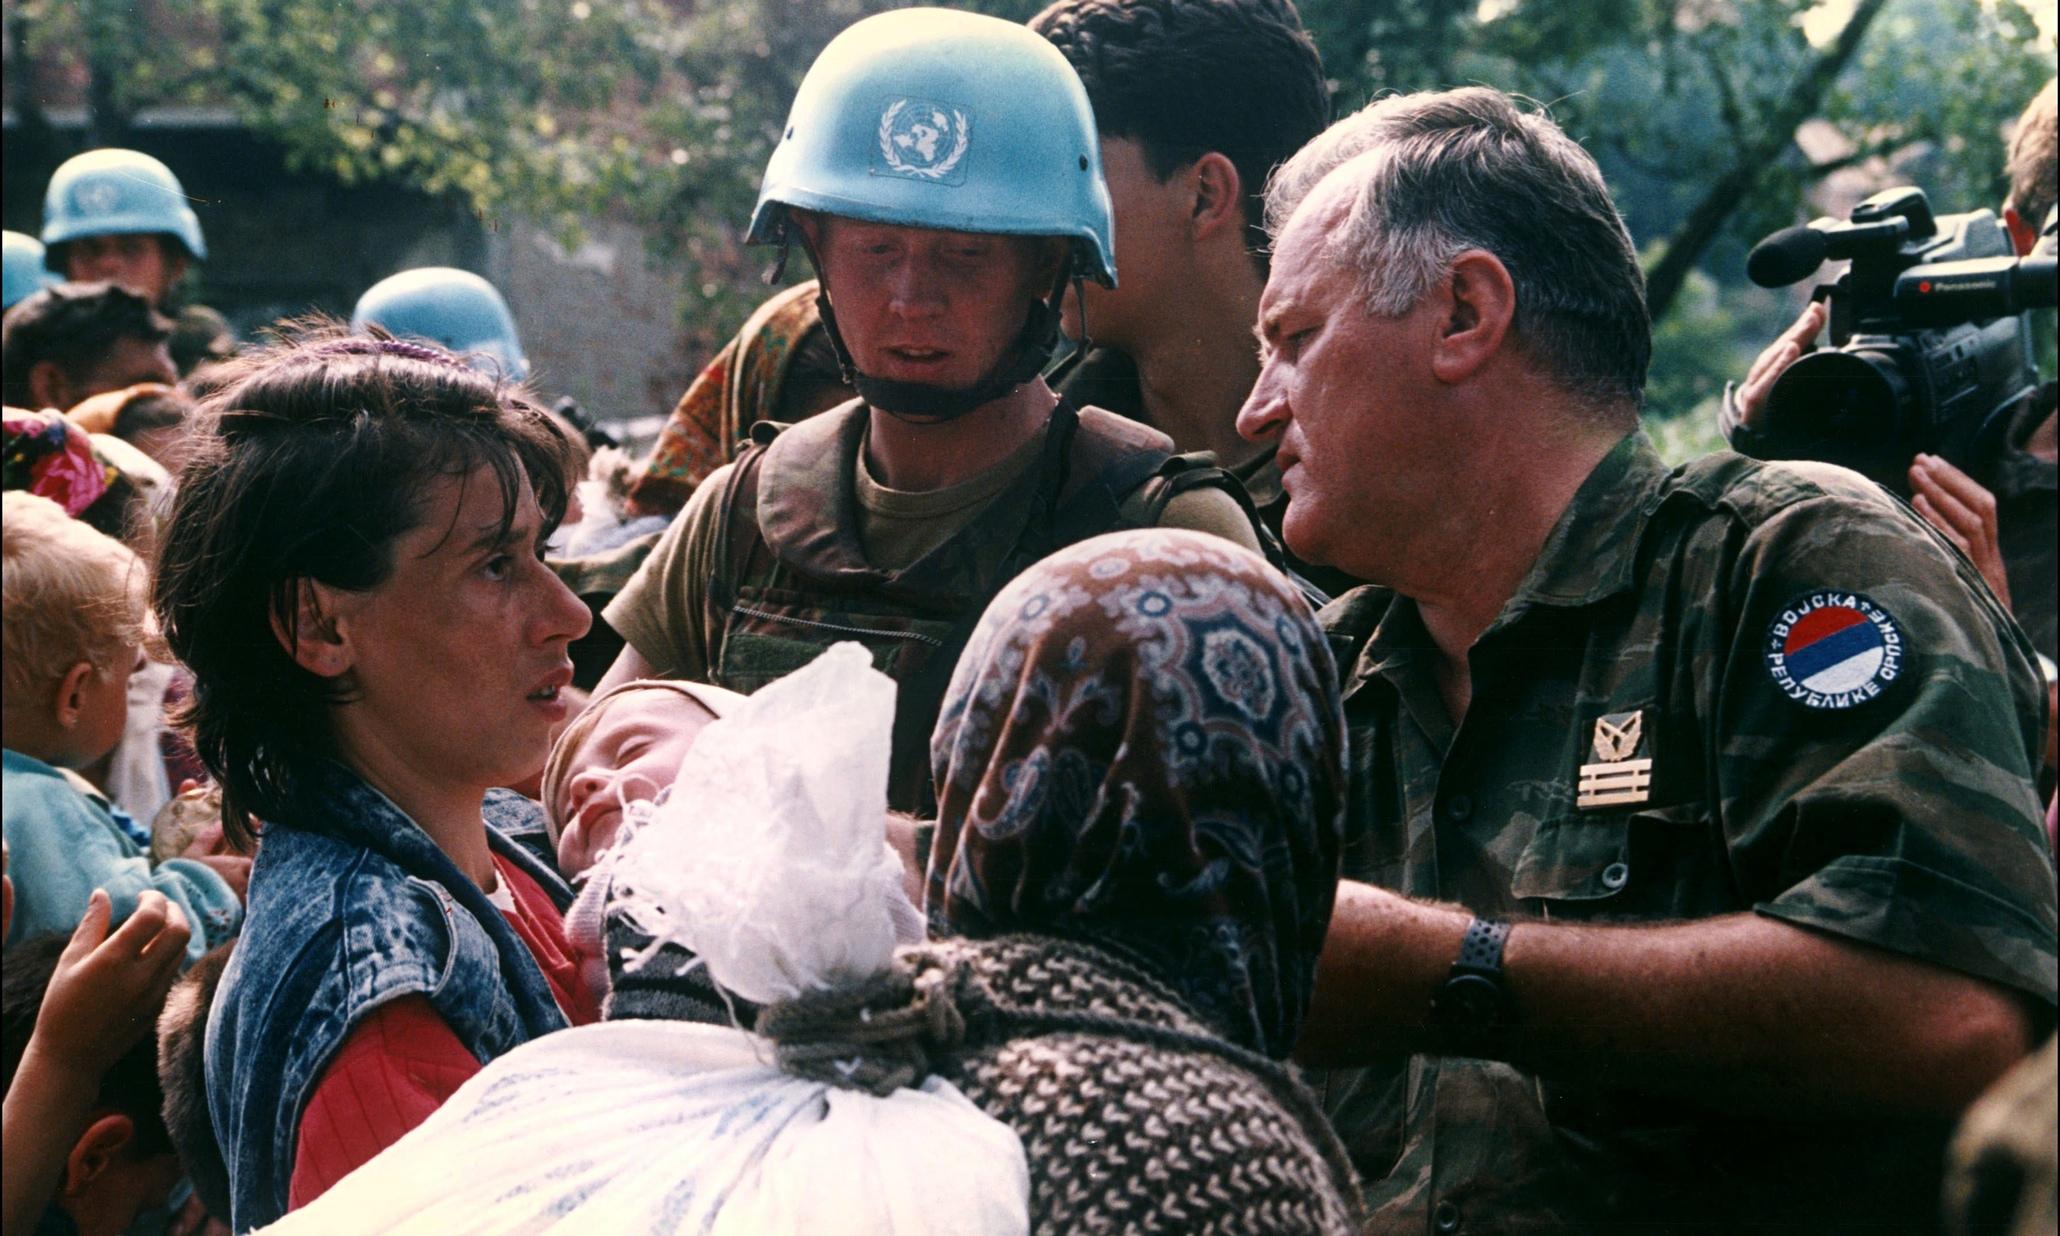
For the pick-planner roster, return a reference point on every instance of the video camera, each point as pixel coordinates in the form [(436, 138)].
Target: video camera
[(1932, 351)]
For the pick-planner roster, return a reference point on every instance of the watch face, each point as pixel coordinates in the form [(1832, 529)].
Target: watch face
[(1469, 1002)]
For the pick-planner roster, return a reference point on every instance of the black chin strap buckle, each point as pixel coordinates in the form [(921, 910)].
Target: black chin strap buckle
[(783, 234)]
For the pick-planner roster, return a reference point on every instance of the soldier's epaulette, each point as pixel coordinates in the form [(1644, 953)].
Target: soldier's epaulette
[(761, 433), (1757, 490)]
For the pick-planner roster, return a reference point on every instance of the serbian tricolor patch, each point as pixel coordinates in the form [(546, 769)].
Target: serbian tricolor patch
[(1833, 649)]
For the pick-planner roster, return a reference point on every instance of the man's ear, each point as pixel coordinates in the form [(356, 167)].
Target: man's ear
[(1219, 196), (68, 698), (808, 223), (1053, 253), (2024, 234), (97, 1149), (1478, 302), (48, 385), (317, 637), (176, 262)]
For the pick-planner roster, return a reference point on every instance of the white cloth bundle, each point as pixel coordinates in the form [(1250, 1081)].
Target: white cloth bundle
[(769, 860)]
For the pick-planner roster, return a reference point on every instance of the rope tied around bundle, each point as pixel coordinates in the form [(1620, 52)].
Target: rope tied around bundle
[(877, 1037)]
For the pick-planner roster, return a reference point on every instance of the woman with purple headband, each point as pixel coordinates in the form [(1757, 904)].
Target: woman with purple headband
[(353, 572)]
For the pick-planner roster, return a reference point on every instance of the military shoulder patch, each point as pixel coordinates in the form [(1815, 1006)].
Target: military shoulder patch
[(1833, 650)]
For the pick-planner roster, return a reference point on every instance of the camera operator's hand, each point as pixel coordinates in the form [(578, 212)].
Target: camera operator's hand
[(1965, 511), (1780, 354)]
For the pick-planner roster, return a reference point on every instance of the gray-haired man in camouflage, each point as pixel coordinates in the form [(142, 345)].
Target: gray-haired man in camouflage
[(1704, 878)]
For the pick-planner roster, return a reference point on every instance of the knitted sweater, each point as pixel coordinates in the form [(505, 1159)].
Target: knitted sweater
[(1136, 1117)]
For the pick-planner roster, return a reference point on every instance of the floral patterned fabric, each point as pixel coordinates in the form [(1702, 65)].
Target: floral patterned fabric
[(1142, 748), (740, 386), (49, 455)]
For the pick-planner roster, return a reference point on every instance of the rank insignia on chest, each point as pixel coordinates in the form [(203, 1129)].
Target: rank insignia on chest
[(1622, 769)]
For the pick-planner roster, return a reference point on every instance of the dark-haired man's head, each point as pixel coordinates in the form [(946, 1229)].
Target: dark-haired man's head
[(74, 340), (122, 1162), (1197, 101)]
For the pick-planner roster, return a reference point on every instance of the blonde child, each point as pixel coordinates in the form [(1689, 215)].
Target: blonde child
[(74, 630)]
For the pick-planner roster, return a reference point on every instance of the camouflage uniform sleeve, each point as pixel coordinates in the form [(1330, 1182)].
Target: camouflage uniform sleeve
[(1906, 819), (660, 611)]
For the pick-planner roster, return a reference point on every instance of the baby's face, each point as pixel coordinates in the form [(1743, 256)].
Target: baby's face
[(632, 753)]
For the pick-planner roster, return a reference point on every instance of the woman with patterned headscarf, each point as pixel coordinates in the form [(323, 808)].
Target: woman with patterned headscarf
[(1140, 777)]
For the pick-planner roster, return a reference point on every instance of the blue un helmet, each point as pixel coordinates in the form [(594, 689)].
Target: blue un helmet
[(447, 306), (933, 118), (113, 192), (26, 273)]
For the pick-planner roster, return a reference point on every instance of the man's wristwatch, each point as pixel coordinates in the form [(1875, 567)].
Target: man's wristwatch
[(1472, 1007)]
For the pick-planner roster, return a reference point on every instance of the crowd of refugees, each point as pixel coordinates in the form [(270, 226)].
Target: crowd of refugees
[(1301, 764)]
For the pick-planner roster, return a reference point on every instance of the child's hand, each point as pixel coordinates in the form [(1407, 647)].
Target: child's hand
[(233, 868), (194, 1220), (106, 990)]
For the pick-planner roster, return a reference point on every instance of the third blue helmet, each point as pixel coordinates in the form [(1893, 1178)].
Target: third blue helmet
[(25, 271)]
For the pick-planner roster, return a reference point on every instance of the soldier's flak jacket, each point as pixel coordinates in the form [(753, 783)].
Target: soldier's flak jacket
[(792, 576)]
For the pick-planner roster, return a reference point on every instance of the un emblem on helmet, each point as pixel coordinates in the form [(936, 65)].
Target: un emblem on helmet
[(97, 198), (923, 141)]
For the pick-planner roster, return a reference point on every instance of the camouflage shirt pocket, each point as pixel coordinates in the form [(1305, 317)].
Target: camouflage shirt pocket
[(1572, 862), (1655, 862)]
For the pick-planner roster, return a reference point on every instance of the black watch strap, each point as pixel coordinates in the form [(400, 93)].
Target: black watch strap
[(1472, 1007), (1480, 950)]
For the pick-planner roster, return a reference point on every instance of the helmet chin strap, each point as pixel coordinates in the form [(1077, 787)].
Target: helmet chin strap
[(924, 404)]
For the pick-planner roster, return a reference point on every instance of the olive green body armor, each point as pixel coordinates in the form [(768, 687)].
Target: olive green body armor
[(792, 577)]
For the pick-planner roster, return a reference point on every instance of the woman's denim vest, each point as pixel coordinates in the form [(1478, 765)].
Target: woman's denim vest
[(352, 905)]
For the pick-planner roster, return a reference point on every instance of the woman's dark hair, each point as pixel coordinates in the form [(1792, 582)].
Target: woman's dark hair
[(312, 456)]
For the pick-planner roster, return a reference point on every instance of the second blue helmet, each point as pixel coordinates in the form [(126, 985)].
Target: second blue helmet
[(447, 306)]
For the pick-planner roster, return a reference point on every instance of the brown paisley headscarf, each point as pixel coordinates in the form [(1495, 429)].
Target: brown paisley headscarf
[(1142, 748)]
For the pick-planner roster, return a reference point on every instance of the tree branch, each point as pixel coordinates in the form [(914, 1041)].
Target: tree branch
[(1686, 246)]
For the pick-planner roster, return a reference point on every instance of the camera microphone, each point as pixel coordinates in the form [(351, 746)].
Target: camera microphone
[(1789, 255), (1794, 253)]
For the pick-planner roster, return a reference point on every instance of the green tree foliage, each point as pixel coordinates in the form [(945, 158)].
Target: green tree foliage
[(665, 111), (506, 105), (1693, 106)]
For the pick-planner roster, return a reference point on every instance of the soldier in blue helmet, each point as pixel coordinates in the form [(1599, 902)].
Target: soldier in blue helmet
[(26, 273), (942, 173), (121, 216)]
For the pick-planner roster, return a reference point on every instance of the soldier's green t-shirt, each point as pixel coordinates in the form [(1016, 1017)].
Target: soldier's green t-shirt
[(660, 611), (1735, 687)]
